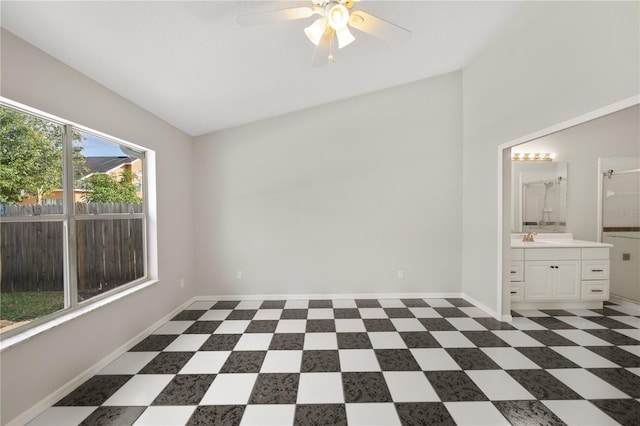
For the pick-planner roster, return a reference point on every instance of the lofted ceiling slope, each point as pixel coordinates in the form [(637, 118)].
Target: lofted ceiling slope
[(192, 65)]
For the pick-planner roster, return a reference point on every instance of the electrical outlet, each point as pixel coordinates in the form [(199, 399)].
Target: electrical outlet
[(400, 274), (238, 275), (182, 283)]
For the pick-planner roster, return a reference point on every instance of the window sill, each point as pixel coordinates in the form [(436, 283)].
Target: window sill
[(75, 313)]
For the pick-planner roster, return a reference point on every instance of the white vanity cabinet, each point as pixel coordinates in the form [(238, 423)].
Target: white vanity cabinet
[(559, 274)]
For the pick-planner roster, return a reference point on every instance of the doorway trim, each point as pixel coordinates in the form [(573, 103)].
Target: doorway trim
[(504, 185)]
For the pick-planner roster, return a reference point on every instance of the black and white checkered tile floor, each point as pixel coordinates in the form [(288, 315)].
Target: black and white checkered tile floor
[(369, 362)]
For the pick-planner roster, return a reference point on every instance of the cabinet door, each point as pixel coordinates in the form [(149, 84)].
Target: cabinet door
[(566, 282), (538, 279)]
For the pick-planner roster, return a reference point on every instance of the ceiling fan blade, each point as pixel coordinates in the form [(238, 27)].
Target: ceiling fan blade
[(323, 50), (378, 28), (259, 18)]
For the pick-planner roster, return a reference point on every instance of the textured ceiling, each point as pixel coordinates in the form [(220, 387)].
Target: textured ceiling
[(192, 65)]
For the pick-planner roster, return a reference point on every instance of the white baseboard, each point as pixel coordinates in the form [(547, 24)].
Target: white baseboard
[(484, 307), (47, 402), (623, 301)]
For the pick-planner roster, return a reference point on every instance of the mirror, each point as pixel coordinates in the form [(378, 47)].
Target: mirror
[(539, 196)]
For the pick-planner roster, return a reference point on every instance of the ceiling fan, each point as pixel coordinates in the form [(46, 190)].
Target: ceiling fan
[(333, 22)]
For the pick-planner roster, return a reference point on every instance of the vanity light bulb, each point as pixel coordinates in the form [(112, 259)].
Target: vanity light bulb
[(552, 155)]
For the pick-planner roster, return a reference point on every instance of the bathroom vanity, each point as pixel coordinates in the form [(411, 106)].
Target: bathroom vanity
[(557, 272)]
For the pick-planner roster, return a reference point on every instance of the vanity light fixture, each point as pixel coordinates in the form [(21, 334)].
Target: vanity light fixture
[(525, 156)]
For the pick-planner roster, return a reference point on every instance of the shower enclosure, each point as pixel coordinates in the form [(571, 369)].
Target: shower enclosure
[(620, 201)]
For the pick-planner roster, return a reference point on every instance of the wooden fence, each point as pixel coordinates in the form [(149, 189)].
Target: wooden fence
[(110, 251)]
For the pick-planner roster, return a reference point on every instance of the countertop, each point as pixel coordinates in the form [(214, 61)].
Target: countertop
[(554, 241)]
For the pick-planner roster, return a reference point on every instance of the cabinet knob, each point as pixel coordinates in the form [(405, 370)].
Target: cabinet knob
[(514, 292), (596, 291), (597, 270)]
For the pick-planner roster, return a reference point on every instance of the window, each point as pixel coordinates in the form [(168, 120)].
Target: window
[(74, 217)]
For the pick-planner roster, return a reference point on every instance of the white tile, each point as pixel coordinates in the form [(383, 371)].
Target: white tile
[(474, 312), (268, 314), (201, 305), (372, 313), (254, 342), (215, 315), (510, 359), (173, 327), (229, 389), (627, 310), (344, 303), (187, 343), (140, 390), (129, 363), (166, 415), (268, 415), (498, 385), (583, 312), (296, 304), (466, 324), (629, 320), (391, 303), (358, 360), (282, 362), (410, 386), (320, 341), (207, 362), (633, 349), (584, 357), (370, 414), (452, 339), (579, 412), (580, 322), (62, 416), (350, 325), (434, 359), (249, 304), (634, 333), (588, 385), (407, 324), (291, 326), (386, 340), (635, 370), (320, 388), (475, 413), (320, 313), (582, 338), (516, 338), (439, 303), (531, 313), (526, 324), (425, 312), (232, 327)]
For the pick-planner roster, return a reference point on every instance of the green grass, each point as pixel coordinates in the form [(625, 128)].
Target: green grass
[(24, 306)]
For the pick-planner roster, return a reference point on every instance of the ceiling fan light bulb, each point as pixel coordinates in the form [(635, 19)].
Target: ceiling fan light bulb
[(338, 16), (315, 31)]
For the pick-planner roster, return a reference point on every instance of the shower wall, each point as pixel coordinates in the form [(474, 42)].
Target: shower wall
[(620, 201)]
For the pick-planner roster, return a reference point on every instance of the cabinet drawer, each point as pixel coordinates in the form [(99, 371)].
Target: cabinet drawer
[(553, 254), (517, 292), (595, 269), (595, 253), (516, 272), (595, 290), (517, 254)]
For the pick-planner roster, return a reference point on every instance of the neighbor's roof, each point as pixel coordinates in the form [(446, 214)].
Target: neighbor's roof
[(105, 164)]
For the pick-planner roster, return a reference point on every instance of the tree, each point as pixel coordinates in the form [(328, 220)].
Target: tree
[(107, 188), (31, 160)]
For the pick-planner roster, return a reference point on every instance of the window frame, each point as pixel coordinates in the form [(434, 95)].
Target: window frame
[(69, 218)]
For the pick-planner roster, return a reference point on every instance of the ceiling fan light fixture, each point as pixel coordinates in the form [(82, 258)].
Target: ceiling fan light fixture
[(338, 16), (315, 31), (345, 37)]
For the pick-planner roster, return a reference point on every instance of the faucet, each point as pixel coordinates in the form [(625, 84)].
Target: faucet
[(529, 237)]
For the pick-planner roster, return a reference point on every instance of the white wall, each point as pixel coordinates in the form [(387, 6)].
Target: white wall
[(37, 367), (336, 199), (614, 135), (554, 61)]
